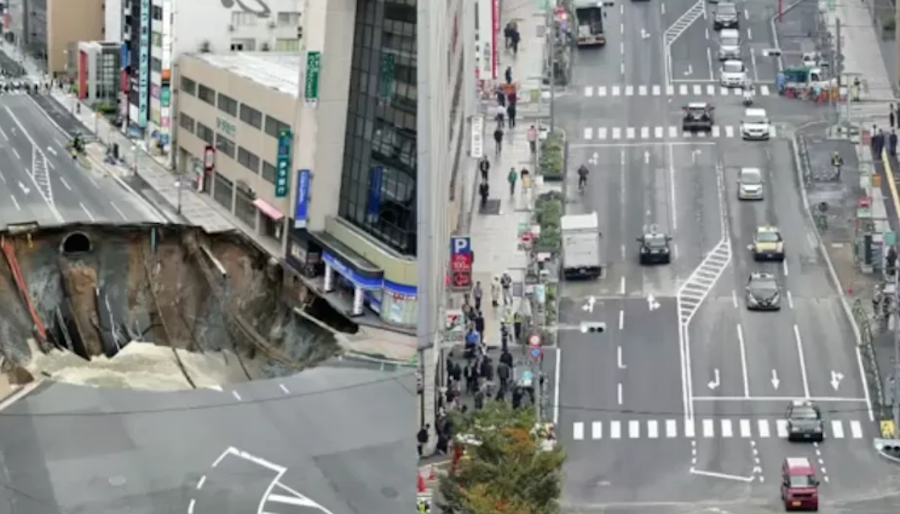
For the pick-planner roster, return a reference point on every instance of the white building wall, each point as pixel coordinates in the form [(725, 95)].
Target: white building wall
[(112, 20)]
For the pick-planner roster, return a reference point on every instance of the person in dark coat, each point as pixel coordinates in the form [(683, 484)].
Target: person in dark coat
[(471, 378), (484, 166), (479, 399), (506, 358), (484, 190), (892, 143), (511, 115), (479, 325), (422, 439), (508, 74), (503, 373), (498, 140)]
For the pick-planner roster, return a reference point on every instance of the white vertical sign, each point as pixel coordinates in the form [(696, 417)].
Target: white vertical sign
[(476, 143), (484, 40)]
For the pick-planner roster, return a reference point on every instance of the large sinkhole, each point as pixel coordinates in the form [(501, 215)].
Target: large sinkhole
[(146, 308)]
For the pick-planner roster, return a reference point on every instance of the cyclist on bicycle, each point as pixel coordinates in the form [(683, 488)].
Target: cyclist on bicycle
[(837, 161), (582, 176)]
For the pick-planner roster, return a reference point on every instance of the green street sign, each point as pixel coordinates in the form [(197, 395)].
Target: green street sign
[(387, 75), (544, 5), (313, 64), (283, 164)]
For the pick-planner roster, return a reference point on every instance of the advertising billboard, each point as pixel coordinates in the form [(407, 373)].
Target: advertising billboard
[(144, 64)]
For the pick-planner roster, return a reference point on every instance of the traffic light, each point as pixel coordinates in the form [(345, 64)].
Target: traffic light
[(589, 327)]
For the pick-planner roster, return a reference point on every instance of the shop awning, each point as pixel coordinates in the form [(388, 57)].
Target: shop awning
[(267, 209)]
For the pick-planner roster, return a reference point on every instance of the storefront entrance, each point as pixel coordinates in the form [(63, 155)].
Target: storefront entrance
[(341, 278)]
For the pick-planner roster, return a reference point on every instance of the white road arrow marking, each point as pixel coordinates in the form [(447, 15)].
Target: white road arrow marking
[(694, 154), (715, 382), (775, 380), (646, 157), (836, 378), (690, 70), (23, 188), (51, 150), (594, 159), (589, 306), (619, 362), (652, 303), (645, 34)]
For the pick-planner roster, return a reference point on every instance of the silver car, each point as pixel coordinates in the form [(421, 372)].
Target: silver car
[(750, 184), (729, 45)]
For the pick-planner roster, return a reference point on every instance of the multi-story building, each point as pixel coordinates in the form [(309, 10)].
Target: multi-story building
[(156, 32), (48, 31), (365, 116), (98, 78)]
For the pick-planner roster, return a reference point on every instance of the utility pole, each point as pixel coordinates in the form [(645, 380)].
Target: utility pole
[(551, 47), (838, 59)]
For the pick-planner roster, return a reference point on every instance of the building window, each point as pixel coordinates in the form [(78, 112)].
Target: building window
[(155, 65), (244, 19), (288, 19), (223, 191), (205, 133), (248, 159), (243, 205), (287, 45), (268, 172), (228, 105), (188, 86), (251, 116), (186, 122), (224, 145), (207, 94), (156, 12), (273, 126), (243, 45), (156, 39)]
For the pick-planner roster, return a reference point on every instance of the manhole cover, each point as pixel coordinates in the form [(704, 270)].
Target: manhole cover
[(491, 207)]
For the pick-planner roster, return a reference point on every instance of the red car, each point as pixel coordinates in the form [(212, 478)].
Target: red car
[(799, 485)]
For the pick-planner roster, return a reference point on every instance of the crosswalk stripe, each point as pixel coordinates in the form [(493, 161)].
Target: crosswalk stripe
[(652, 429), (658, 132), (670, 90), (588, 132), (616, 133), (629, 131), (708, 429), (856, 429), (597, 430), (763, 428), (615, 90), (615, 430), (634, 429), (671, 428), (629, 90), (601, 133), (782, 427), (764, 90), (698, 90), (724, 91), (645, 132), (689, 428), (656, 90), (837, 429), (745, 428), (588, 91), (642, 90), (578, 431), (729, 131), (683, 89), (673, 132), (726, 428), (716, 131)]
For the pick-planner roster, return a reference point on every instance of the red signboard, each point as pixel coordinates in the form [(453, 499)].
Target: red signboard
[(461, 270)]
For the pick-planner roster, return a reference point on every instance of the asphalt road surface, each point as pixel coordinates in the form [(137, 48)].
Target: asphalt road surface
[(332, 438), (42, 183), (681, 402)]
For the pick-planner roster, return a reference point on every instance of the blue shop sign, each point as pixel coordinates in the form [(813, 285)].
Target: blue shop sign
[(401, 289), (301, 212), (350, 274)]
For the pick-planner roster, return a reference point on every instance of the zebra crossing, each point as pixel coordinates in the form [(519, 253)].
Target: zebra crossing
[(661, 132), (710, 428), (689, 90)]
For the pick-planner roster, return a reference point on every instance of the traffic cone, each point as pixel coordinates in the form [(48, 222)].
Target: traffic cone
[(420, 483), (431, 472)]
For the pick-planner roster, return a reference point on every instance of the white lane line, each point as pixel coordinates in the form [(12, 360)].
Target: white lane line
[(86, 211), (619, 393), (622, 286), (620, 362), (734, 298), (746, 14), (3, 133), (740, 335), (118, 211), (236, 395), (578, 431), (865, 387), (191, 506), (785, 266), (672, 211), (802, 360), (51, 150), (556, 370), (201, 482), (2, 177), (15, 202), (284, 389), (621, 320), (662, 7), (790, 300), (16, 153), (749, 34), (65, 184), (50, 164)]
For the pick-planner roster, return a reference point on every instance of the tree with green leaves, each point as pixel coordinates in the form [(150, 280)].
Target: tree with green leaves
[(506, 470)]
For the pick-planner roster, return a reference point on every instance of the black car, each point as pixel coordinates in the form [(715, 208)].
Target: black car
[(763, 293), (655, 248), (698, 117), (804, 422), (726, 17)]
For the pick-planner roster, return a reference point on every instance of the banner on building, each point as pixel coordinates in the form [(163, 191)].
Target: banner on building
[(144, 64), (461, 259), (301, 210), (486, 67), (283, 163)]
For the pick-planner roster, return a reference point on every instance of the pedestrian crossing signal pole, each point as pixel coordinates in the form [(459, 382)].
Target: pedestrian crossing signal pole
[(780, 10)]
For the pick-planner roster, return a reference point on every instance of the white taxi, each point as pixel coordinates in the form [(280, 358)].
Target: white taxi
[(755, 124), (733, 74)]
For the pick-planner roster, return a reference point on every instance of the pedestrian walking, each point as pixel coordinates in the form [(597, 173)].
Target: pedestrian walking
[(878, 142), (506, 286), (518, 321), (511, 115), (479, 326), (511, 96), (500, 114), (507, 35), (484, 190), (893, 116), (508, 74), (525, 178), (892, 143), (511, 177), (501, 96), (498, 140), (515, 37), (478, 294), (495, 291), (484, 166), (422, 439), (532, 139)]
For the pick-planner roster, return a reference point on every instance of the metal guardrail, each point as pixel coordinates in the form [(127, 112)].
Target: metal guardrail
[(882, 410)]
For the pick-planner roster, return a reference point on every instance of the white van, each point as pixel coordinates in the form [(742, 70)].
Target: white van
[(729, 45)]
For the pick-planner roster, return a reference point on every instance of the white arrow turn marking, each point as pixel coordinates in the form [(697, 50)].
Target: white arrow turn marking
[(589, 306), (836, 378), (716, 381), (775, 381), (652, 304), (23, 188)]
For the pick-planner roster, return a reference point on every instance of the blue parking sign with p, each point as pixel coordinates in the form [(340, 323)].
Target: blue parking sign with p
[(460, 245)]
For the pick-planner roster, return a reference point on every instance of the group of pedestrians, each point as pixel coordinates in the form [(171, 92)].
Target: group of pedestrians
[(881, 140), (513, 177)]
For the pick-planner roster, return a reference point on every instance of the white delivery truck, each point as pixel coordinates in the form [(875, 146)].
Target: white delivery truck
[(582, 256)]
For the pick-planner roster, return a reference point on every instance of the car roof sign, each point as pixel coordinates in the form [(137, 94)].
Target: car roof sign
[(697, 105), (799, 464)]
